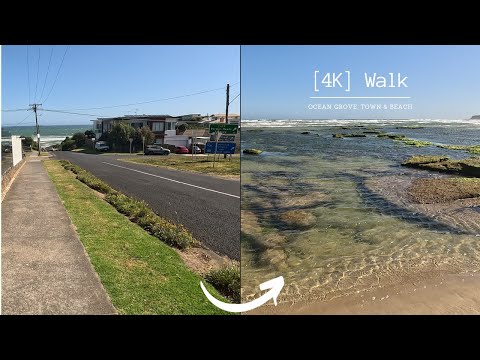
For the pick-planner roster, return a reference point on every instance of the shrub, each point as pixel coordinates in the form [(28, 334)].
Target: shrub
[(93, 182), (68, 145), (227, 281), (28, 141), (89, 134)]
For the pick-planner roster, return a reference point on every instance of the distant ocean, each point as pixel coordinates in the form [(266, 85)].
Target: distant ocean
[(49, 134), (348, 122)]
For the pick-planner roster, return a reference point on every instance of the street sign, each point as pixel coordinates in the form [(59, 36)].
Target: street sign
[(230, 138), (224, 128), (222, 147)]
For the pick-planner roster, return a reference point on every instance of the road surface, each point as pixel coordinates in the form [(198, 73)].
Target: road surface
[(209, 207)]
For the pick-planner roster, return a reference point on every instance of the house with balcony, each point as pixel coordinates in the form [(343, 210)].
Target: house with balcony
[(220, 118), (162, 126)]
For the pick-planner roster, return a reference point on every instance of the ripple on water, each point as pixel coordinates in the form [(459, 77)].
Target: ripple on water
[(358, 236)]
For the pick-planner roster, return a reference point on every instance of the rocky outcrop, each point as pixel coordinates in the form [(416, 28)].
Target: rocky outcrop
[(467, 167), (475, 117)]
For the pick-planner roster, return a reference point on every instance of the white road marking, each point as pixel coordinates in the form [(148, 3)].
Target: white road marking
[(175, 181)]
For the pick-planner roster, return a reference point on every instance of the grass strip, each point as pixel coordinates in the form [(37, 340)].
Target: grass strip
[(141, 274), (141, 214), (198, 164), (137, 211)]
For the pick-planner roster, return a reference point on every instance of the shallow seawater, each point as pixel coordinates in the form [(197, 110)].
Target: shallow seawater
[(308, 215)]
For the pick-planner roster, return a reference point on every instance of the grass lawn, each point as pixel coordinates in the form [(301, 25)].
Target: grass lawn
[(198, 164), (141, 274), (90, 150)]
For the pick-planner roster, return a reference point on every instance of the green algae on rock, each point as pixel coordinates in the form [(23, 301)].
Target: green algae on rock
[(252, 151), (468, 167), (416, 143), (441, 190), (473, 149), (413, 127), (296, 219), (342, 135)]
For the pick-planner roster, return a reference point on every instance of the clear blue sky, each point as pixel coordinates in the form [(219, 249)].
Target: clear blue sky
[(443, 81), (97, 76)]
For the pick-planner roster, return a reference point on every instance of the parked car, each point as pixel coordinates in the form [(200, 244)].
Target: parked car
[(156, 149), (102, 146), (195, 150), (181, 150)]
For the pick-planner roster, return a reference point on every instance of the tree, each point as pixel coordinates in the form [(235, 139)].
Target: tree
[(103, 137), (182, 128), (145, 132), (79, 139), (89, 134), (119, 136), (28, 141), (68, 144)]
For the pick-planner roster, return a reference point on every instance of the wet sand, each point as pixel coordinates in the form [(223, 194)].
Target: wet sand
[(441, 294)]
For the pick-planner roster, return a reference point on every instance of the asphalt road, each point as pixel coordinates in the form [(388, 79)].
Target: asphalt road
[(207, 206)]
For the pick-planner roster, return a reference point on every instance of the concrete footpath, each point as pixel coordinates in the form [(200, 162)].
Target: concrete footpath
[(45, 269)]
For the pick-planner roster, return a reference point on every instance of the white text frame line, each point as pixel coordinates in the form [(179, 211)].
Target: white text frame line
[(360, 97)]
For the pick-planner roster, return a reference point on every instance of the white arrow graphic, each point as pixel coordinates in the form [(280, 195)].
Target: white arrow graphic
[(275, 286)]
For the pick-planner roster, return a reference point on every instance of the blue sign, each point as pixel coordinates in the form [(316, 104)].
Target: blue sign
[(222, 147)]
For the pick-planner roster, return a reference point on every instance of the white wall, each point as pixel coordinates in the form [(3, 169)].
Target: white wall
[(179, 140), (17, 153)]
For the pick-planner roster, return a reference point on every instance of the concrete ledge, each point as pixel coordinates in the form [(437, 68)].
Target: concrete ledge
[(10, 175)]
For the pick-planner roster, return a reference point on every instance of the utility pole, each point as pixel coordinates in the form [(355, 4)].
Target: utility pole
[(34, 107), (226, 110), (228, 100)]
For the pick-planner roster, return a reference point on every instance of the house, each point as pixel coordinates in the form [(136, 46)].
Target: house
[(190, 117), (220, 118), (162, 126)]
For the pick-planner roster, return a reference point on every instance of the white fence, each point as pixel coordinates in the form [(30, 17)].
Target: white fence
[(17, 152)]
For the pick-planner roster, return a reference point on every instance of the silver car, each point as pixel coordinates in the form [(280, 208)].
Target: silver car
[(156, 149)]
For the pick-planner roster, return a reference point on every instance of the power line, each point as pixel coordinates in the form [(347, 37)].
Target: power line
[(38, 70), (151, 101), (48, 70), (20, 121), (12, 110), (28, 76), (234, 98), (73, 113), (58, 72)]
